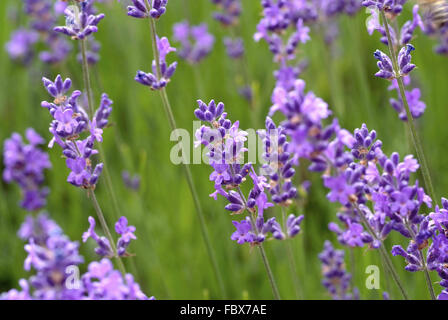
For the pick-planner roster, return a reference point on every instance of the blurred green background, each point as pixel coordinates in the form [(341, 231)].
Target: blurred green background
[(171, 261)]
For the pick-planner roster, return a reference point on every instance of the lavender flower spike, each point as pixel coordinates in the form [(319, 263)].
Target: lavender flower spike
[(104, 248), (154, 80), (385, 65), (25, 165), (79, 25)]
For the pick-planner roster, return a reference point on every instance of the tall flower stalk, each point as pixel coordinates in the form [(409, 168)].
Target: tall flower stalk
[(410, 120), (162, 73), (71, 119)]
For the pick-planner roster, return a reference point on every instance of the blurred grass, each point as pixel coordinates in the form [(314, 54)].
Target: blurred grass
[(170, 257)]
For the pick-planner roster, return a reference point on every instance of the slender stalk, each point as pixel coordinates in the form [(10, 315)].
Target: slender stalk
[(106, 230), (86, 77), (414, 133), (291, 260), (168, 110), (269, 272), (88, 85), (383, 253), (260, 246)]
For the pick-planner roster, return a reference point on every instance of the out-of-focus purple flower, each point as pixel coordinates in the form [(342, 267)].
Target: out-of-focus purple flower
[(39, 229), (413, 96), (102, 282), (234, 47), (20, 46), (196, 42), (25, 165), (336, 279), (51, 260), (133, 182), (229, 13)]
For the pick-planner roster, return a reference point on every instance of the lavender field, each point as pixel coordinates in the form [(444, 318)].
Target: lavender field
[(223, 149)]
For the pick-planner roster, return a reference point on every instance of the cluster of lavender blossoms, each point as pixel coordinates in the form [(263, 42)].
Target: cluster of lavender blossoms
[(225, 145), (55, 258), (196, 42), (336, 280), (70, 121), (43, 15), (80, 22), (229, 11), (375, 191), (140, 9), (154, 80), (228, 16), (400, 39), (25, 165), (104, 248)]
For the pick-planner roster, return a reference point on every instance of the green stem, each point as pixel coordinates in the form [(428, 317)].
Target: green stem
[(106, 230), (269, 272), (414, 134), (291, 260), (88, 84), (86, 77), (168, 110), (383, 253), (260, 245)]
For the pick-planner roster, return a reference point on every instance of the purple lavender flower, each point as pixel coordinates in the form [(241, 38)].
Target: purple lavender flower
[(404, 63), (54, 255), (196, 42), (385, 66), (229, 13), (38, 229), (50, 262), (158, 8), (70, 121), (365, 146), (154, 80), (393, 7), (25, 165), (225, 144), (102, 282), (234, 47), (127, 234), (80, 24), (20, 46), (104, 248), (42, 18), (139, 9), (133, 182), (336, 278), (243, 232)]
